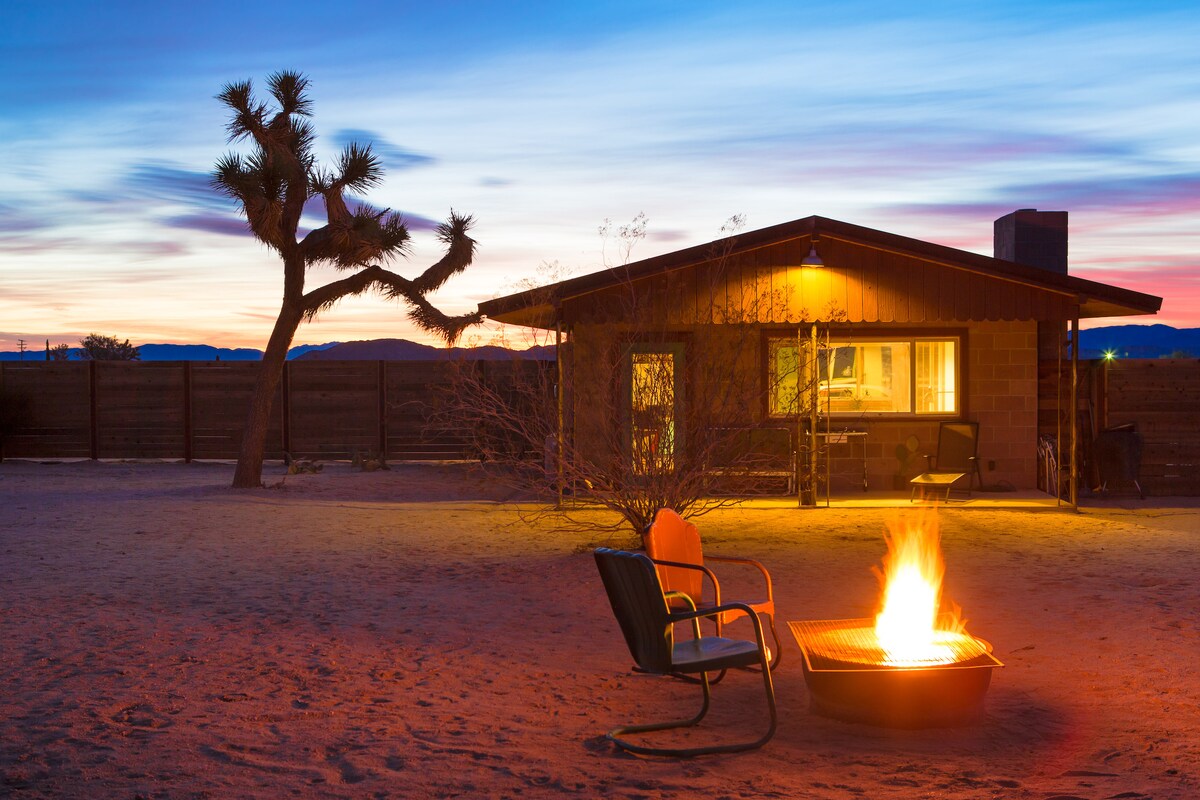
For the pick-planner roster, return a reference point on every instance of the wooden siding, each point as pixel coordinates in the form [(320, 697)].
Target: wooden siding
[(196, 410), (1162, 398), (1157, 396), (57, 412), (220, 397), (857, 284)]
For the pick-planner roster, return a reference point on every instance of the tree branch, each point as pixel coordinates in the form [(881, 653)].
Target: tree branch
[(460, 253), (325, 297)]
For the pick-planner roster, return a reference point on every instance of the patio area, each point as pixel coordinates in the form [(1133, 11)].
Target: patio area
[(407, 634)]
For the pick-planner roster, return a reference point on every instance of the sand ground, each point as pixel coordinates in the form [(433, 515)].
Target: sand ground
[(405, 634)]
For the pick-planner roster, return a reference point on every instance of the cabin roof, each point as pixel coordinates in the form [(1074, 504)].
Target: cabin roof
[(538, 307)]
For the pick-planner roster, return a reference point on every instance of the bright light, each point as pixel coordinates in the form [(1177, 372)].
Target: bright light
[(907, 626), (1109, 355)]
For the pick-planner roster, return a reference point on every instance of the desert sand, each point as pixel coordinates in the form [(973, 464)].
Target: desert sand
[(404, 633)]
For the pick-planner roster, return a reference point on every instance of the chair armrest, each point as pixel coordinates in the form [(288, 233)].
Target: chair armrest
[(711, 576), (749, 562), (692, 603), (683, 616)]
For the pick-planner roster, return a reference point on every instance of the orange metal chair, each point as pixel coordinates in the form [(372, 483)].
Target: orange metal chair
[(673, 544)]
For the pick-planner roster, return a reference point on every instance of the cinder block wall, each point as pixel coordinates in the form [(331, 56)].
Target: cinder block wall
[(1001, 365), (1002, 391)]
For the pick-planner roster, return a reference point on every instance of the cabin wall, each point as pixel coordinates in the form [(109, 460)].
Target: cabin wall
[(725, 368), (719, 367)]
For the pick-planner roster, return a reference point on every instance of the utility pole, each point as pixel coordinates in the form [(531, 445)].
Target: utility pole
[(21, 347)]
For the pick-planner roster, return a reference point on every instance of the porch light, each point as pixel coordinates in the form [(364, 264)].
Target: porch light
[(812, 259)]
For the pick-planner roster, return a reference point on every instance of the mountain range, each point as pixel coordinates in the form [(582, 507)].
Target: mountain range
[(370, 350), (1123, 341)]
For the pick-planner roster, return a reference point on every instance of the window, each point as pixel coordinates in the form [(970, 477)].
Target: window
[(653, 397), (885, 376)]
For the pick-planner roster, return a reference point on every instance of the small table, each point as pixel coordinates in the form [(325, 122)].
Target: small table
[(934, 482)]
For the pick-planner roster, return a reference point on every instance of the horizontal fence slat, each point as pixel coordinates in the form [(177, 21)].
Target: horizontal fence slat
[(337, 409), (1160, 397)]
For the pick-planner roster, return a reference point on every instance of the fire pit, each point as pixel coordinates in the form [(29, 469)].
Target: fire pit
[(848, 677), (909, 666)]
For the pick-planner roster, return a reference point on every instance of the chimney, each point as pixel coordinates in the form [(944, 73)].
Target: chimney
[(1032, 237)]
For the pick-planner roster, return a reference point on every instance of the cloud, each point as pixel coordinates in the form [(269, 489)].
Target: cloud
[(162, 181), (416, 222), (314, 214), (15, 221), (391, 156), (32, 246), (1169, 193), (210, 223), (668, 236)]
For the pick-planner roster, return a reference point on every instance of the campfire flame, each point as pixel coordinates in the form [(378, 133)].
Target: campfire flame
[(910, 627)]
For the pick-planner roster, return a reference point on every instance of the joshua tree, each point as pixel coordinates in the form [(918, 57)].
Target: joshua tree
[(272, 184)]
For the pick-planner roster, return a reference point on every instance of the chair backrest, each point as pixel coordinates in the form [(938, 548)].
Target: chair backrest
[(673, 538), (958, 443), (638, 604)]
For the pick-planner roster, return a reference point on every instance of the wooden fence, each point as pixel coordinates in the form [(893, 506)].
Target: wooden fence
[(196, 409), (1159, 397)]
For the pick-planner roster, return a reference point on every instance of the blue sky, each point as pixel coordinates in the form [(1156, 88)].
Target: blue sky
[(544, 119)]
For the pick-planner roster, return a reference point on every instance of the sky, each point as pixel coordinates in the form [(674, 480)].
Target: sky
[(544, 119)]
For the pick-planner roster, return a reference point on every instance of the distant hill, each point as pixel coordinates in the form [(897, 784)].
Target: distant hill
[(404, 350), (196, 352), (1140, 341), (181, 352), (1125, 341)]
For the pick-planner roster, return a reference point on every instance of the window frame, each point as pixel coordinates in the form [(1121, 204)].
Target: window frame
[(678, 349), (842, 337)]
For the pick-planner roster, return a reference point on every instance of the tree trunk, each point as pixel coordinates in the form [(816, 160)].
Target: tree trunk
[(248, 474)]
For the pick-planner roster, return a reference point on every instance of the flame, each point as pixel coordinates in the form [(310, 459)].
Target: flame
[(908, 627)]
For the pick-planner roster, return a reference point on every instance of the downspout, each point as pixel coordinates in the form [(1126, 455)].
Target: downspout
[(1058, 409), (798, 465), (1075, 410), (558, 442)]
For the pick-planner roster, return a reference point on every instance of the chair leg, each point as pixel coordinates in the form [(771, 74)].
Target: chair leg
[(778, 645), (688, 752), (776, 656), (615, 734)]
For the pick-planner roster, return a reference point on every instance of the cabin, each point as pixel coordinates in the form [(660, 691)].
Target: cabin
[(850, 344)]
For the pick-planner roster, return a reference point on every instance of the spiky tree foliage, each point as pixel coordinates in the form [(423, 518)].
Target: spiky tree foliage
[(272, 183)]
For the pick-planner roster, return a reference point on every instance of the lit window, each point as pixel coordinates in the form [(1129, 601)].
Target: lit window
[(652, 417), (900, 376)]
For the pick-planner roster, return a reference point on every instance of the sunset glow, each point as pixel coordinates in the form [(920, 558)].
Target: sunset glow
[(926, 120)]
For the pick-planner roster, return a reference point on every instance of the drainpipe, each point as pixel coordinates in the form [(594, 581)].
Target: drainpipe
[(1075, 410), (558, 444), (812, 422)]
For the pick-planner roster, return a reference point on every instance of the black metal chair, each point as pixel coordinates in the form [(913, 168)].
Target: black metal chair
[(957, 457), (646, 620)]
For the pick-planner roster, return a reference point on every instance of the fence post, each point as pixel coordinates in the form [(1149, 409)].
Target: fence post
[(187, 412), (286, 410), (383, 430), (93, 424)]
